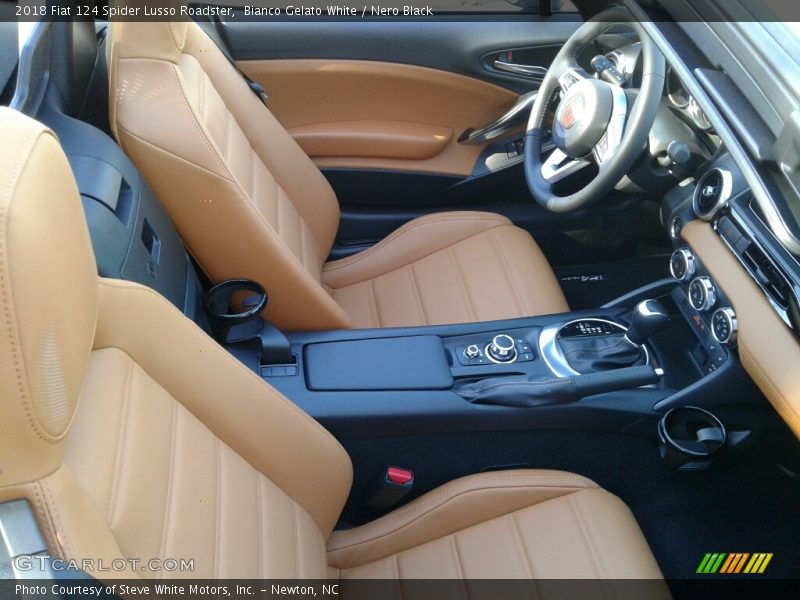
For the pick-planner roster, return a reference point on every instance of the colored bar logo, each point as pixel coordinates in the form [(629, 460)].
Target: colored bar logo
[(734, 562)]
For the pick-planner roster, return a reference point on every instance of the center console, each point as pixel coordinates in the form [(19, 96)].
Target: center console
[(604, 369)]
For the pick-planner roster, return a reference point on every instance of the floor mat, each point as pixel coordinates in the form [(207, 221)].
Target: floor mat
[(592, 285)]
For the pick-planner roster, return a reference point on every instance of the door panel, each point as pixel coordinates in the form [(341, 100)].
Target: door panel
[(416, 113), (458, 46), (380, 105)]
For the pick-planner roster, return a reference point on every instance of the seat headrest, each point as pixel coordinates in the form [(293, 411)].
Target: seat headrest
[(48, 299), (162, 40)]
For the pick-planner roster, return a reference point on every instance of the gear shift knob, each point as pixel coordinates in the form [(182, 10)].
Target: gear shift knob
[(648, 318)]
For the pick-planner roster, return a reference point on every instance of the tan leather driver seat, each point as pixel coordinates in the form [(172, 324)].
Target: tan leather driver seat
[(249, 203), (134, 435)]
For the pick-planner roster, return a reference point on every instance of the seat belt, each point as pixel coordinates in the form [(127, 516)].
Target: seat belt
[(210, 29)]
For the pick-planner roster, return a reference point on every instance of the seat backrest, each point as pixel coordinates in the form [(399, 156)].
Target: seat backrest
[(246, 199), (132, 434)]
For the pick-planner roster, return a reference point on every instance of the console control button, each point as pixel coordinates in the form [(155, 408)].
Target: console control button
[(702, 293), (724, 326), (682, 264), (502, 349), (472, 351)]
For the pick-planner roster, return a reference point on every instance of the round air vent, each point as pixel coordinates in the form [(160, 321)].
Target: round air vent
[(712, 193)]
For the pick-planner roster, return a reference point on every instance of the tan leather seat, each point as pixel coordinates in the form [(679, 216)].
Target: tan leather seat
[(249, 203), (134, 435)]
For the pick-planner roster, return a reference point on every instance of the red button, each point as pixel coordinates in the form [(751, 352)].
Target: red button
[(398, 475)]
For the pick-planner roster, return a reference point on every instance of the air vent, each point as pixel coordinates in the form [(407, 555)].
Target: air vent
[(712, 193), (767, 275)]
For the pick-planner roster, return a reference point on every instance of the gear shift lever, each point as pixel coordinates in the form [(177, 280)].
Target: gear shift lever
[(648, 318)]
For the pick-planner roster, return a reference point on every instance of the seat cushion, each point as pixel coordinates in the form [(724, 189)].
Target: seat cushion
[(513, 524), (454, 267)]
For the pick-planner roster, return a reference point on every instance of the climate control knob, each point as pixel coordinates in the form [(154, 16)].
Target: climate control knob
[(682, 264), (724, 326), (502, 349), (702, 293)]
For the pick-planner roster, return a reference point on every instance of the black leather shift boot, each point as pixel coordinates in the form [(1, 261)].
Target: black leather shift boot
[(593, 354)]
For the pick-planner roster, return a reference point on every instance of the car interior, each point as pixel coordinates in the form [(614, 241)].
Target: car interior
[(453, 298)]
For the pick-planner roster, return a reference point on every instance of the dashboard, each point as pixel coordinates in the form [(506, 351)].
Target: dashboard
[(730, 227)]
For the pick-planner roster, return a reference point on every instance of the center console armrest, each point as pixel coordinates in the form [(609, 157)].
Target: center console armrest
[(398, 363)]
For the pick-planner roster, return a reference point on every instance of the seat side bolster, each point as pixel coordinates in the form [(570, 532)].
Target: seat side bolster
[(411, 242), (455, 506), (255, 420)]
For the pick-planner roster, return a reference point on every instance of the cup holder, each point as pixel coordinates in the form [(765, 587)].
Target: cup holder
[(690, 438), (233, 302)]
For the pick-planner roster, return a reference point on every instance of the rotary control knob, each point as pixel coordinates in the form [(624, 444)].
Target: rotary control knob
[(502, 349), (472, 351), (682, 264), (702, 293), (724, 326)]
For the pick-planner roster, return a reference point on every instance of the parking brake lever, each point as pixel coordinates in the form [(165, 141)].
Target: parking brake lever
[(527, 391)]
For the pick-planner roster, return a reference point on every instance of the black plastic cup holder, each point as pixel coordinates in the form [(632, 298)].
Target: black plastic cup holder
[(690, 438), (222, 315)]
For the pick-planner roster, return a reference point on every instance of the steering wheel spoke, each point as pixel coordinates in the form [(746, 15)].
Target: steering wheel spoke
[(572, 76), (558, 166), (612, 138)]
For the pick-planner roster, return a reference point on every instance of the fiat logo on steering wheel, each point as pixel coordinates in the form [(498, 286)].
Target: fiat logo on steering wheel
[(572, 113)]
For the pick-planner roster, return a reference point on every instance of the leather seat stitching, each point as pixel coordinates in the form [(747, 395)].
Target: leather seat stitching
[(165, 525), (417, 294), (576, 510), (122, 430), (55, 515), (217, 560), (336, 265), (395, 268), (518, 536), (507, 271), (457, 555), (373, 302), (397, 513), (473, 315), (260, 504), (295, 541)]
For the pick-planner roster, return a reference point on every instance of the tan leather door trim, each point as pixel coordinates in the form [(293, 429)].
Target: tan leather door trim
[(315, 92), (372, 139), (769, 351)]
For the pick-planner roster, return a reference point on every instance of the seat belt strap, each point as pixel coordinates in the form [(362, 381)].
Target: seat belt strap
[(211, 31)]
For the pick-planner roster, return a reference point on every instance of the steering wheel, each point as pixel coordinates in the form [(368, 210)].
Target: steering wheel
[(593, 121)]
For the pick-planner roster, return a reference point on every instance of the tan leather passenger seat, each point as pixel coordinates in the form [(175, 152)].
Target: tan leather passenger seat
[(249, 203), (134, 435)]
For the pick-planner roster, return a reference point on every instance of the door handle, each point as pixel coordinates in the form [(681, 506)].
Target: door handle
[(515, 116), (531, 71)]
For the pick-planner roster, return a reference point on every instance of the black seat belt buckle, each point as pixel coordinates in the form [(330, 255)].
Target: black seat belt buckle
[(394, 485)]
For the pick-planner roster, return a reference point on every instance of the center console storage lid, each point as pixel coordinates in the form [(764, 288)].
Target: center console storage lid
[(399, 363)]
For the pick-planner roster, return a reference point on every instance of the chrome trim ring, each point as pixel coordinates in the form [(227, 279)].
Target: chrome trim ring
[(689, 262), (709, 293), (726, 188), (554, 358), (733, 325)]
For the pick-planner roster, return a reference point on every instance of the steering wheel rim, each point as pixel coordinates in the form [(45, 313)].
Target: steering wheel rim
[(636, 127)]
